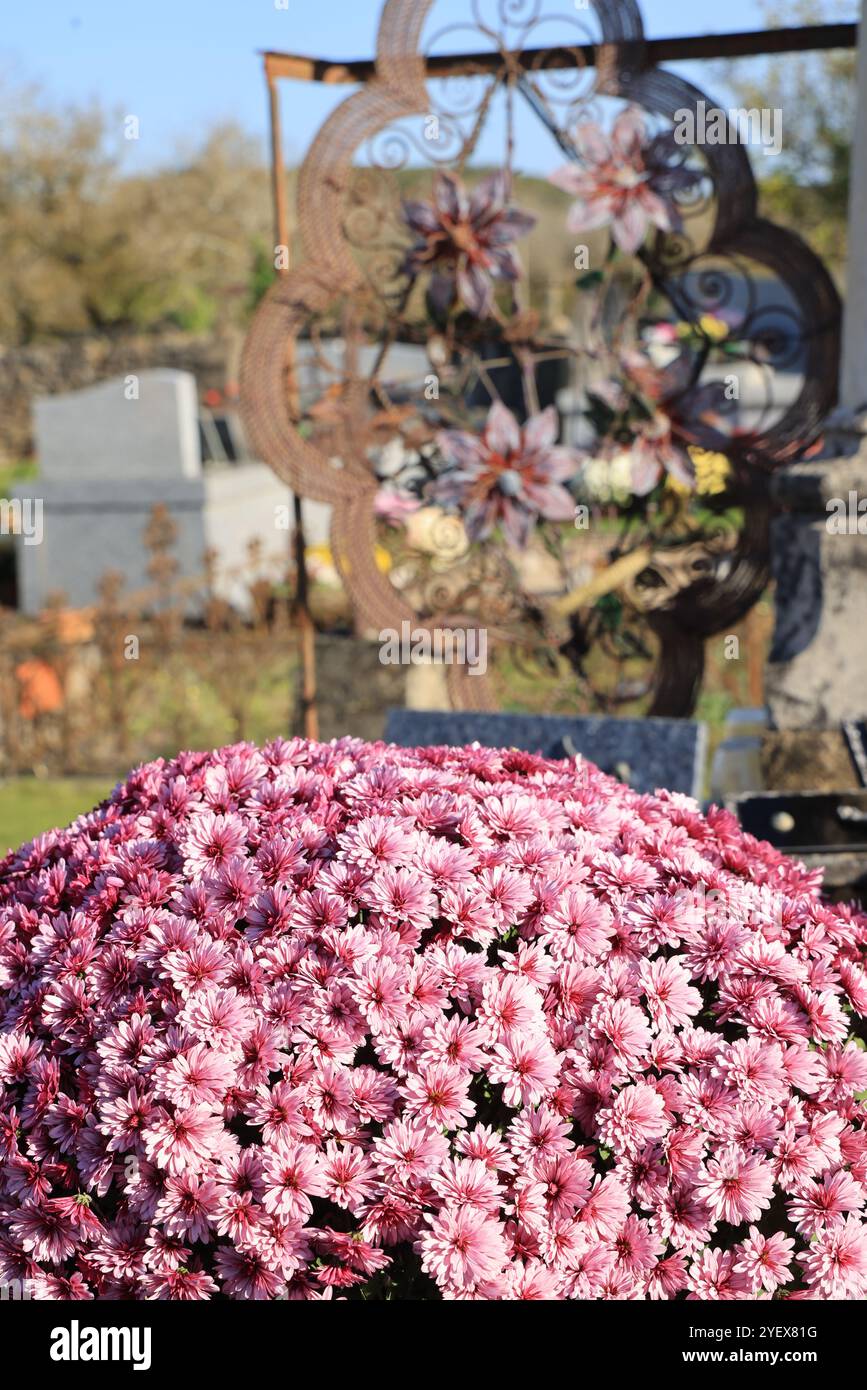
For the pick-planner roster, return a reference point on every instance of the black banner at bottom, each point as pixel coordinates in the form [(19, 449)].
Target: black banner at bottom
[(150, 1338)]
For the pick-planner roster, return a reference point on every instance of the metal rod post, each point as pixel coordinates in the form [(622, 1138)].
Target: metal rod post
[(303, 616)]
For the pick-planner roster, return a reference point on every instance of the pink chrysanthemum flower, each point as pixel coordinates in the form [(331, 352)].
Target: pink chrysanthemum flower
[(186, 1209), (671, 999), (183, 1139), (713, 1276), (836, 1264), (212, 840), (735, 1188), (526, 1068), (291, 1178), (826, 1202), (438, 1094), (333, 1020), (346, 1175), (463, 1246), (409, 1151), (579, 928), (635, 1117), (219, 1017), (765, 1260)]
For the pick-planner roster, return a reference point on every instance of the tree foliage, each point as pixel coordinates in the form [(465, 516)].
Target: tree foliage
[(86, 247), (806, 186)]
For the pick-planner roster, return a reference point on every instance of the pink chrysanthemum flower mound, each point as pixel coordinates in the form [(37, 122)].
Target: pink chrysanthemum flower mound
[(348, 1020)]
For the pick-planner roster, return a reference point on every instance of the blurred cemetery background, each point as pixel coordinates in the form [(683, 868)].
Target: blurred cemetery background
[(160, 607)]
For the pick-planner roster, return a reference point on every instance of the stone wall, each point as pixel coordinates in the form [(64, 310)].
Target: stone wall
[(71, 363)]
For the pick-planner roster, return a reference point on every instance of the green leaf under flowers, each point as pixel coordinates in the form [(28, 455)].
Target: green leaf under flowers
[(590, 280)]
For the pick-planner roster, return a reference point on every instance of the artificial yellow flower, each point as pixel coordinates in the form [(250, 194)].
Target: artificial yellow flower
[(319, 554), (711, 473), (713, 328), (712, 470), (321, 561)]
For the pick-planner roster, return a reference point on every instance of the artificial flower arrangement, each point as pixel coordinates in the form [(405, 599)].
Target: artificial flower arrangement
[(354, 1021), (462, 396), (496, 463), (649, 422)]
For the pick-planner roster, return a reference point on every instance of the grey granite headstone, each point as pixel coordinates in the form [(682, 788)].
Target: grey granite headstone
[(646, 753), (816, 676), (146, 426), (108, 456)]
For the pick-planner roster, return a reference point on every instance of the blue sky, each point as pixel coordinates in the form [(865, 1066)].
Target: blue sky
[(183, 65)]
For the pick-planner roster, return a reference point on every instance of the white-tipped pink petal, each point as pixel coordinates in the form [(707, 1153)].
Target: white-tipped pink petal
[(570, 178), (656, 208), (474, 288), (541, 430), (628, 134), (516, 524), (458, 447), (646, 471), (592, 143), (450, 197), (585, 215), (561, 463), (629, 227), (502, 431), (552, 501), (679, 464)]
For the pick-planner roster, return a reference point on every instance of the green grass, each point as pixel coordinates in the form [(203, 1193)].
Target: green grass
[(15, 472), (29, 805)]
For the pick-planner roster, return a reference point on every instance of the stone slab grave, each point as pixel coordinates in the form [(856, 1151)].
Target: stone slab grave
[(105, 461), (646, 753), (826, 827)]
